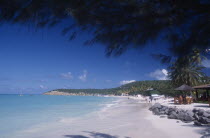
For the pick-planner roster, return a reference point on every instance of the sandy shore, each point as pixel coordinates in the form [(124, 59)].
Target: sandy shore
[(127, 118), (176, 128), (191, 106)]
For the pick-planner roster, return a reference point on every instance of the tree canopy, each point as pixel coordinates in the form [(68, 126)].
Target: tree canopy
[(181, 73), (120, 24)]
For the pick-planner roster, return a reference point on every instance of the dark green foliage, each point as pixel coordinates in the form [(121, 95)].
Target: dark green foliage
[(125, 24), (147, 87), (92, 91), (187, 70), (119, 24)]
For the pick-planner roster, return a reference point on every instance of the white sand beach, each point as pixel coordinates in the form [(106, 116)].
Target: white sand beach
[(170, 103), (127, 118)]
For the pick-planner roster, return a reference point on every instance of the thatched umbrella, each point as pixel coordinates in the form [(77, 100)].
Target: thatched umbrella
[(184, 87)]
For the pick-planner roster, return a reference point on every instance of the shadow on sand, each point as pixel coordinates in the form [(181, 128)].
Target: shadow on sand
[(93, 135), (205, 131), (173, 103), (75, 136), (203, 106)]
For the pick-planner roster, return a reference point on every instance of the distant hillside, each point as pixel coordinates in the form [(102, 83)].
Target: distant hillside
[(138, 87), (148, 87)]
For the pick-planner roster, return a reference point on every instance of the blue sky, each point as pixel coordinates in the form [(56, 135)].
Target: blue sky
[(39, 61)]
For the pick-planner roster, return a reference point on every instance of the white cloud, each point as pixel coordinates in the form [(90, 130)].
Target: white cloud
[(159, 74), (83, 77), (126, 81), (206, 63), (165, 72), (42, 87), (67, 75)]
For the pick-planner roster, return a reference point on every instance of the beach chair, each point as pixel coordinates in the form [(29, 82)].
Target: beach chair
[(180, 100), (176, 100), (188, 100), (191, 100)]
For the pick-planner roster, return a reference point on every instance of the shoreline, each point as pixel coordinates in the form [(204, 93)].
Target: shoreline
[(126, 118)]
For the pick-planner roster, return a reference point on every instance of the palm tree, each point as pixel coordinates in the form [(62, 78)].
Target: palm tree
[(187, 70)]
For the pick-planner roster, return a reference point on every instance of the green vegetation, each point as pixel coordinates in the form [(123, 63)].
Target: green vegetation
[(188, 70), (92, 91), (149, 87), (138, 87)]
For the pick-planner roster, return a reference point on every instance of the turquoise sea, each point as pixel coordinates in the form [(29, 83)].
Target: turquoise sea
[(21, 112)]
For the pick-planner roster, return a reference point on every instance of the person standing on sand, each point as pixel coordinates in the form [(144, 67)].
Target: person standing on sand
[(155, 99), (150, 98), (146, 100)]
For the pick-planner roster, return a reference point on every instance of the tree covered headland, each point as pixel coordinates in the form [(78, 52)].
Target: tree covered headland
[(138, 87)]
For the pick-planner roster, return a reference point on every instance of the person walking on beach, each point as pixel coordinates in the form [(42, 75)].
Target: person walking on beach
[(146, 100), (150, 98)]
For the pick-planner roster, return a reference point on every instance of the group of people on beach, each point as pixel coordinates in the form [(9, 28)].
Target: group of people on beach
[(149, 99)]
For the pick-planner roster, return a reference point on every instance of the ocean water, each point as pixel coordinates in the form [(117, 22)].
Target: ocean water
[(21, 112)]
